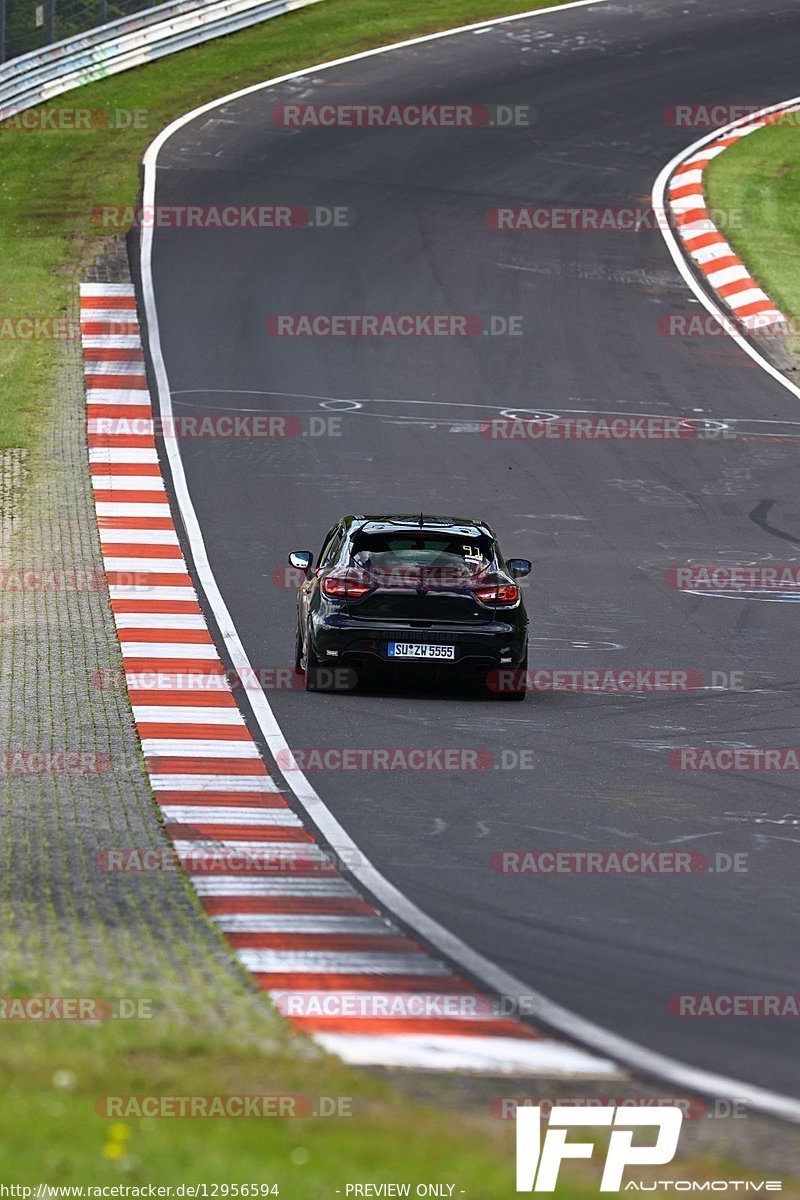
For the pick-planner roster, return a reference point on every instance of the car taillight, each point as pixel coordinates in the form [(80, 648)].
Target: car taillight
[(344, 587), (499, 593)]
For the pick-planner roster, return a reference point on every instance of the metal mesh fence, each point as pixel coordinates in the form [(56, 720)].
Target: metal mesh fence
[(32, 24)]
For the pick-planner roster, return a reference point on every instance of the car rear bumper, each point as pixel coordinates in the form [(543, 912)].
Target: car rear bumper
[(345, 639)]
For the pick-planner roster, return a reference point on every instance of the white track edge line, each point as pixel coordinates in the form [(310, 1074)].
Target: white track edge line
[(679, 255), (502, 982)]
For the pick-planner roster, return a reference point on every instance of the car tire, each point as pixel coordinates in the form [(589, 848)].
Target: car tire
[(313, 668), (518, 693), (298, 652)]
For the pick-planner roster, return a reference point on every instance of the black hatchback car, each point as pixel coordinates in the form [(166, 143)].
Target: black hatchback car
[(392, 592)]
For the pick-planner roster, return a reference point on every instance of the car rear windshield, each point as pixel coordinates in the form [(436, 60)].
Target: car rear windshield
[(413, 549)]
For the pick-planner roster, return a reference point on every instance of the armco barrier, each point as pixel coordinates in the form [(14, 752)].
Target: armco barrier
[(128, 42)]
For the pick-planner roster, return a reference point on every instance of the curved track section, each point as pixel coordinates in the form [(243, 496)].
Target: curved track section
[(604, 521), (332, 963)]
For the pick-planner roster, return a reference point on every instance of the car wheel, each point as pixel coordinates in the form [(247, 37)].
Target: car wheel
[(298, 652), (313, 668), (521, 692)]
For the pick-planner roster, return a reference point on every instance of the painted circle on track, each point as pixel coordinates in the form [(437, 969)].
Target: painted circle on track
[(708, 426), (528, 414)]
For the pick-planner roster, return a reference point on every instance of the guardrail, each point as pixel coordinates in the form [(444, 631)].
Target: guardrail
[(127, 42)]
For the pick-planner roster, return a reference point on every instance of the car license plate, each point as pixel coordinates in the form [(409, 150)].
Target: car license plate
[(420, 650)]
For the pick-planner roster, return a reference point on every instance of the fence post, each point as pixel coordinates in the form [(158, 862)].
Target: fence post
[(2, 31), (51, 21)]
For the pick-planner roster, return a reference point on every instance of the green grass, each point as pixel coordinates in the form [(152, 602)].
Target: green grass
[(226, 1042), (52, 180), (54, 1074), (757, 181), (58, 1077)]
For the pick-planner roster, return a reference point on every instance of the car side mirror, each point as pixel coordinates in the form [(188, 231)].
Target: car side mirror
[(519, 567), (301, 560)]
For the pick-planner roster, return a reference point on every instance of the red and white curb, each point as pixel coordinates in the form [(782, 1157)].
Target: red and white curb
[(336, 966), (713, 256)]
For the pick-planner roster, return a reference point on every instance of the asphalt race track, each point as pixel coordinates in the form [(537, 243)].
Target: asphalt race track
[(601, 521)]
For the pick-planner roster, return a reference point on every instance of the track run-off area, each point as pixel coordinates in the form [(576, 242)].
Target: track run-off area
[(564, 322)]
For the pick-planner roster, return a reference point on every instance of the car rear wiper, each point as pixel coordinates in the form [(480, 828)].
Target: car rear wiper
[(421, 523)]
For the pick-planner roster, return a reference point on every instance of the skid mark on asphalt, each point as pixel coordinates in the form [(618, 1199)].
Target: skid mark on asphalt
[(759, 517), (599, 274)]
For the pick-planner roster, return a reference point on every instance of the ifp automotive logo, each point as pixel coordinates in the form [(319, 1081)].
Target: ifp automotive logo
[(539, 1160)]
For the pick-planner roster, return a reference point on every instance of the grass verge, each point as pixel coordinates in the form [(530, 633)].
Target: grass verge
[(52, 180), (59, 1076), (757, 181), (55, 1074), (221, 1040)]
